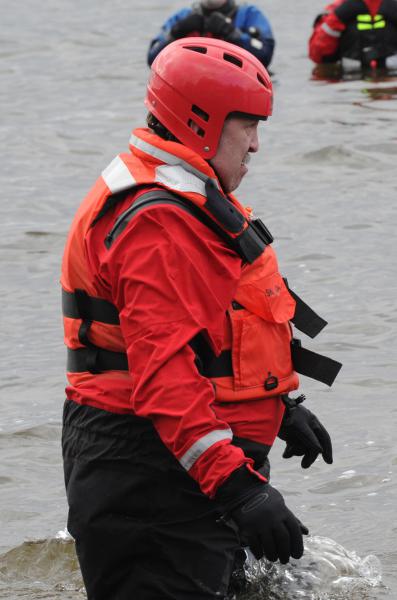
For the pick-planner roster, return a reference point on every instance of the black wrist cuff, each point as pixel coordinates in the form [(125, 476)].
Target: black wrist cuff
[(238, 487), (291, 403)]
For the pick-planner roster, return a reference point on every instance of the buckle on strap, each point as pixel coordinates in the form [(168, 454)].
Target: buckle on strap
[(313, 365), (253, 241), (262, 231)]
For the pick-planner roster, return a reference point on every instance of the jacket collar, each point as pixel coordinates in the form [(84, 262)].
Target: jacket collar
[(142, 141)]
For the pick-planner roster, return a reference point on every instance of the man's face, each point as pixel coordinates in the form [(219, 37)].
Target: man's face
[(239, 138)]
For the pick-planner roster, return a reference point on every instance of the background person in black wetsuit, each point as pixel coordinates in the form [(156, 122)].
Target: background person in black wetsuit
[(362, 30), (244, 25)]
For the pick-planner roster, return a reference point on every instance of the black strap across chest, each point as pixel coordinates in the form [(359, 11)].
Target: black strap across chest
[(247, 238)]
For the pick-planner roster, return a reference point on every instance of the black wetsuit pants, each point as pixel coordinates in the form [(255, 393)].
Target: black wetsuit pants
[(143, 529)]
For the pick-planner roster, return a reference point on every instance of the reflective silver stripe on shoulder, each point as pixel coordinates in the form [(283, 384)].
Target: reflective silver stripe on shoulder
[(117, 176), (166, 157), (330, 31), (199, 447), (178, 179)]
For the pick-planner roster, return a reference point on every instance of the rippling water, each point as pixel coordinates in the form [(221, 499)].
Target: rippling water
[(72, 80)]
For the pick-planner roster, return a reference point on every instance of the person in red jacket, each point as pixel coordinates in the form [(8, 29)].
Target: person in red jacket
[(178, 327), (362, 30)]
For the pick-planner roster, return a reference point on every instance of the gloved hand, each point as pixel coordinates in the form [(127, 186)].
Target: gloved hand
[(348, 11), (304, 434), (219, 25), (318, 19), (264, 522), (193, 22)]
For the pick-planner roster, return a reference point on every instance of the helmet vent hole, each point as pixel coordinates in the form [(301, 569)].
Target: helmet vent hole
[(200, 49), (261, 80), (233, 59), (196, 128), (200, 112)]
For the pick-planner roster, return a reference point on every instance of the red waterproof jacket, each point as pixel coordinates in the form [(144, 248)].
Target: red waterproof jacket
[(325, 39), (144, 296)]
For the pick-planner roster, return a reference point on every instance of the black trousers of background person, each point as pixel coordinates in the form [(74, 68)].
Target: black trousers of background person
[(143, 529)]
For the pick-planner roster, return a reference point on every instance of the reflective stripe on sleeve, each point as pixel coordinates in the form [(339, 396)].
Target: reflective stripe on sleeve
[(199, 447), (330, 31), (117, 176)]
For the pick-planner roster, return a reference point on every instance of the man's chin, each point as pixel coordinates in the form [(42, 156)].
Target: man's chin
[(233, 186)]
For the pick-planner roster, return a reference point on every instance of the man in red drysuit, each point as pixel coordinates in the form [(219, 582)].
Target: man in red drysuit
[(363, 30), (180, 351)]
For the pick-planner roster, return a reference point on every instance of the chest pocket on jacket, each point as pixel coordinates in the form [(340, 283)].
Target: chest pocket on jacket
[(261, 333)]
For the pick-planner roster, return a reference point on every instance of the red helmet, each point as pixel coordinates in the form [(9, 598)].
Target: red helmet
[(196, 83)]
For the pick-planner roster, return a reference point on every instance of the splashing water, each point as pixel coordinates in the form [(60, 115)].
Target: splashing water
[(48, 569), (327, 571), (45, 569)]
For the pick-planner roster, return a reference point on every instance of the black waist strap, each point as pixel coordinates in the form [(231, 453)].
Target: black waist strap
[(95, 360), (79, 305), (220, 366), (308, 363), (305, 319), (313, 365)]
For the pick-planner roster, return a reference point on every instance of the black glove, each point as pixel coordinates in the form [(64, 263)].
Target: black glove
[(348, 11), (264, 522), (193, 22), (318, 19), (219, 25), (304, 434)]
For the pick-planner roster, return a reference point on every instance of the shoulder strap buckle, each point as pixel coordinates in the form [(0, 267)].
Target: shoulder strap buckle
[(262, 231)]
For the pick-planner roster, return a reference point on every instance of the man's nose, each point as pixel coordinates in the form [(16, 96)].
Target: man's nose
[(254, 144)]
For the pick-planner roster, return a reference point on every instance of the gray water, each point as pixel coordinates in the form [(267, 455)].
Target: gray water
[(73, 76)]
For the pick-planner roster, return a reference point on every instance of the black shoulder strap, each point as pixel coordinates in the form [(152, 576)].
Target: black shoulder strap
[(79, 305), (152, 198), (249, 244)]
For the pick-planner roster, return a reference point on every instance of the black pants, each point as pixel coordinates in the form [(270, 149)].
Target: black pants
[(143, 529)]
